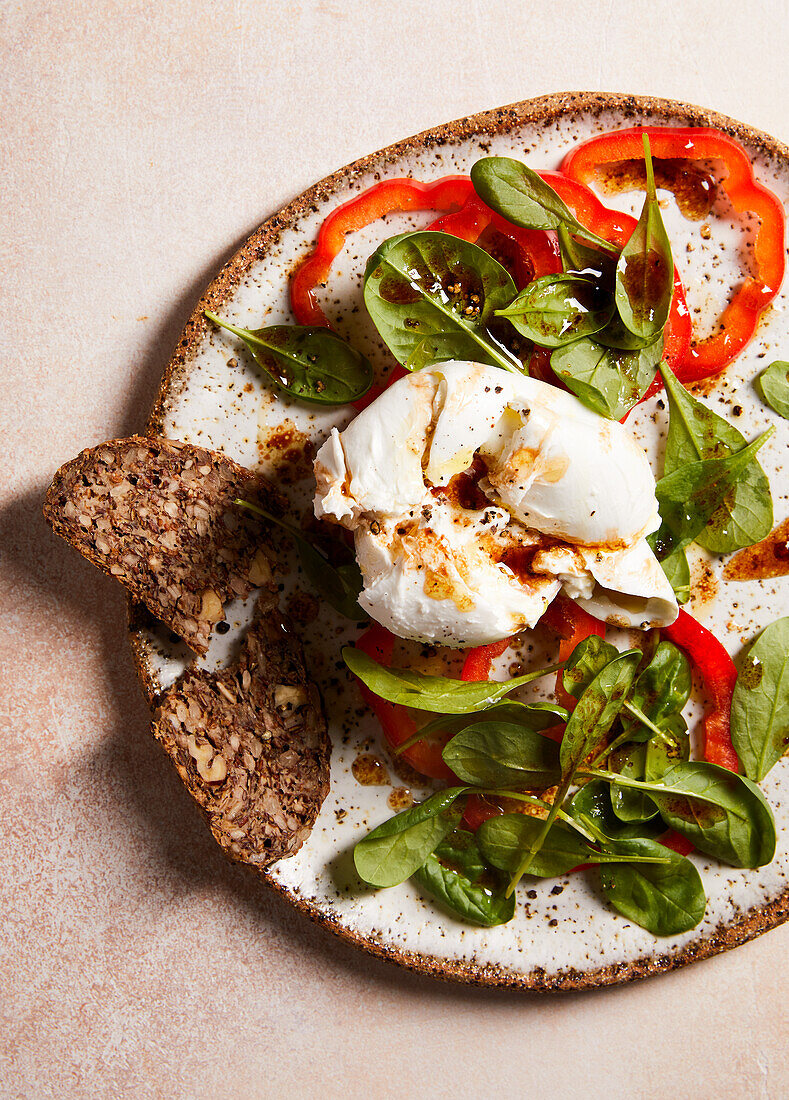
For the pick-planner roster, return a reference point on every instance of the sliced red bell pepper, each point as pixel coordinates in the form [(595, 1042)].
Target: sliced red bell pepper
[(739, 320), (719, 675), (396, 721), (479, 661), (447, 193)]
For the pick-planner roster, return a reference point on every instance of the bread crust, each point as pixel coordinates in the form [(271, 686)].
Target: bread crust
[(250, 743), (158, 515)]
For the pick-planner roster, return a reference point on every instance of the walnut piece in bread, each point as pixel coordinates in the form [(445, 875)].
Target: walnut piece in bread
[(158, 515), (250, 743)]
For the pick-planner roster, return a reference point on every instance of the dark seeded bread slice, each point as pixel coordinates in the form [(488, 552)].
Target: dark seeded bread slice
[(159, 516), (250, 743)]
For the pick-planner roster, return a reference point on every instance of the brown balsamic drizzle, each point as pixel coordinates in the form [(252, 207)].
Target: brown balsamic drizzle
[(369, 770), (399, 799), (769, 558), (693, 186)]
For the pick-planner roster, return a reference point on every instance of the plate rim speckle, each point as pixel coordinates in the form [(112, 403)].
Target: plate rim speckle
[(543, 109)]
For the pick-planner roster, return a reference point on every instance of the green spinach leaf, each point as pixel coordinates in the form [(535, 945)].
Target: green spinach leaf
[(609, 381), (665, 898), (503, 841), (432, 297), (760, 704), (439, 694), (745, 515), (501, 754), (555, 310), (340, 586), (645, 271), (589, 658), (312, 364), (661, 690), (724, 814), (456, 875), (773, 385), (627, 804), (690, 496), (519, 194), (393, 851)]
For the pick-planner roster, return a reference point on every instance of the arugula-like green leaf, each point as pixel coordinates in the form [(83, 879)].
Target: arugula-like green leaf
[(432, 297), (760, 704), (645, 271), (665, 898), (695, 432), (556, 310), (312, 364), (339, 585), (519, 194), (393, 851), (609, 381), (501, 754), (457, 877), (773, 384), (439, 694)]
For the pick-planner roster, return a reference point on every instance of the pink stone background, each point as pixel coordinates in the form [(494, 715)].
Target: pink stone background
[(140, 143)]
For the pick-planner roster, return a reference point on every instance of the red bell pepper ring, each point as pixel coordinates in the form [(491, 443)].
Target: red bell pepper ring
[(739, 320), (447, 193), (719, 675), (537, 251)]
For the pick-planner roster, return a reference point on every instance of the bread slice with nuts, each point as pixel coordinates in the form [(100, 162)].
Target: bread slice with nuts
[(250, 743), (158, 515)]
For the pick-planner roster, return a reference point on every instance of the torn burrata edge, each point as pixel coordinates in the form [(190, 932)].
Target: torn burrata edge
[(475, 495)]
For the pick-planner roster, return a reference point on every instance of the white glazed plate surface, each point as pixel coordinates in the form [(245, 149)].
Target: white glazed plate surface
[(563, 936)]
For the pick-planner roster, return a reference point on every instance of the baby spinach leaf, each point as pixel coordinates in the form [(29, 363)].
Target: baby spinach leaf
[(582, 259), (665, 898), (645, 271), (393, 851), (434, 290), (773, 385), (609, 381), (520, 195), (340, 586), (724, 814), (661, 690), (585, 732), (501, 754), (760, 704), (503, 840), (555, 310), (439, 694), (677, 569), (665, 750), (532, 716), (596, 710), (589, 657), (456, 875), (690, 496), (312, 364), (745, 515), (627, 804), (591, 805)]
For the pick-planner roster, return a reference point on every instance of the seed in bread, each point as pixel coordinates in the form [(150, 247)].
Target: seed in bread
[(250, 743), (158, 515)]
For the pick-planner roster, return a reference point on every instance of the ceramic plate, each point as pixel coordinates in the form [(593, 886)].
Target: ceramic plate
[(562, 937)]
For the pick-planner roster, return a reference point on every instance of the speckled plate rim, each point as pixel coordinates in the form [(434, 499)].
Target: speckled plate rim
[(543, 109)]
